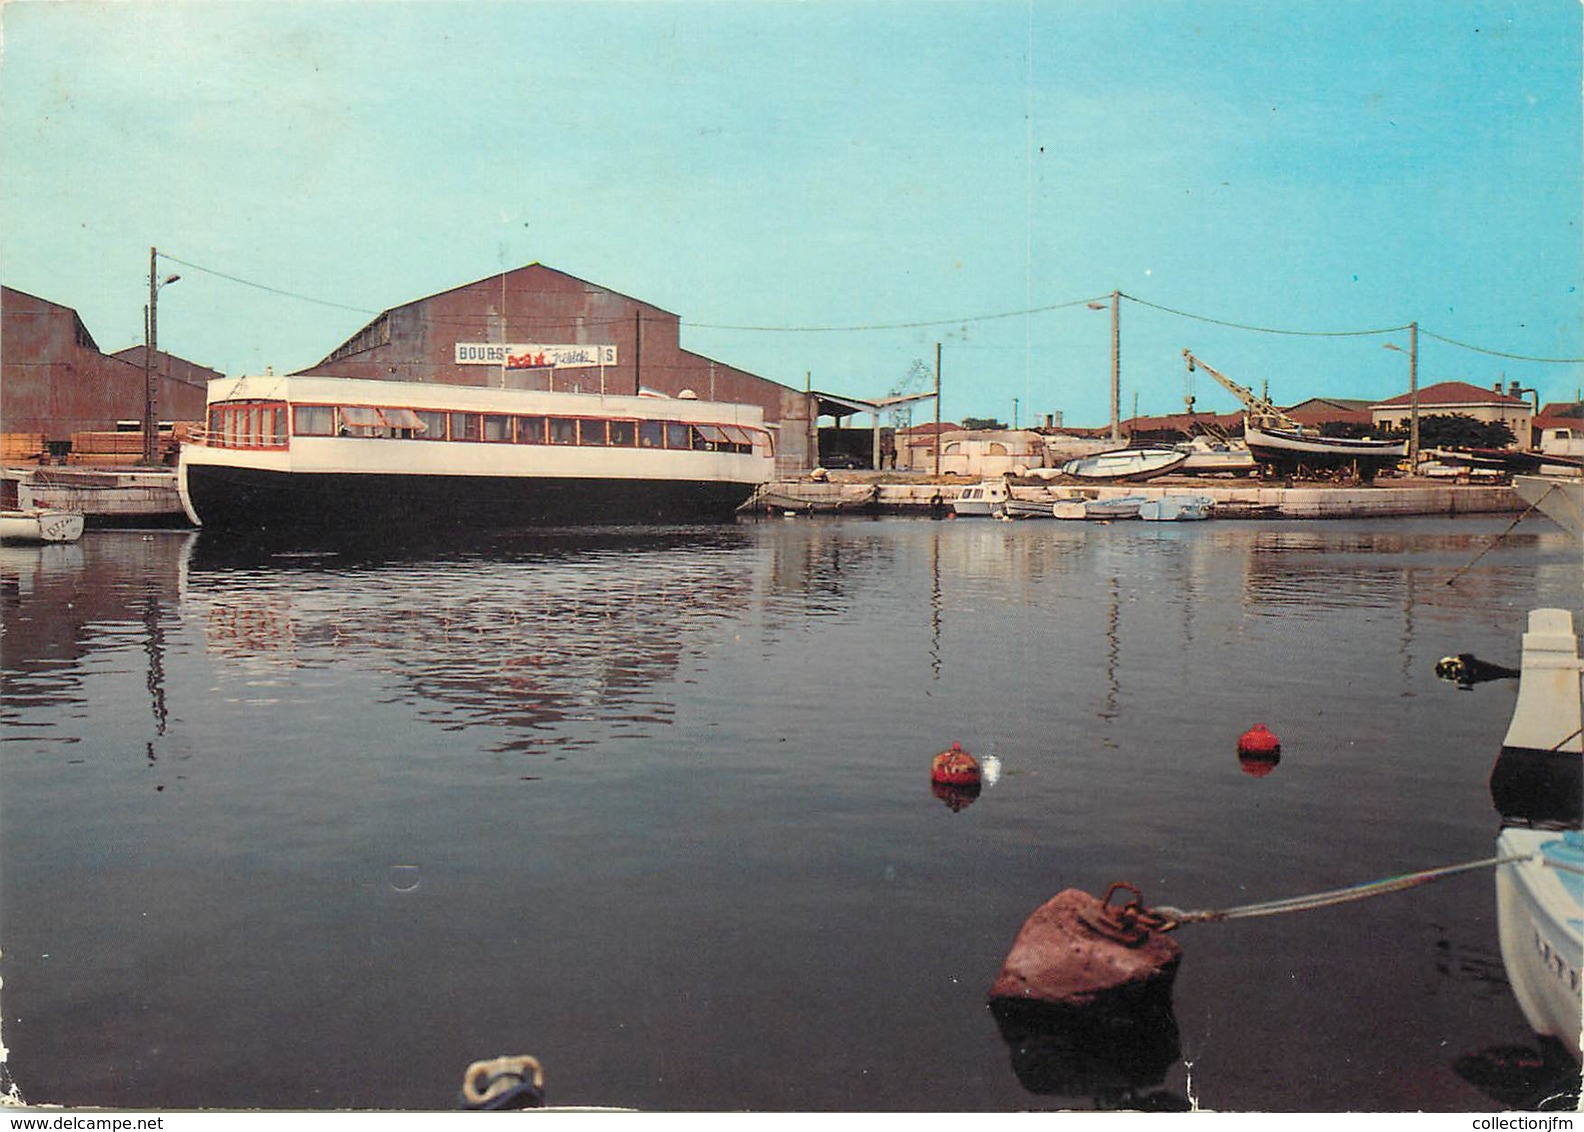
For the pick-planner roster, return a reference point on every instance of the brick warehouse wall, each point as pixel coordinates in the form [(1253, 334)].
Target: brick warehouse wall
[(55, 380), (537, 304)]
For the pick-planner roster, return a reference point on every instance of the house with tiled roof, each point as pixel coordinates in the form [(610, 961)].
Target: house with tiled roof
[(1459, 398)]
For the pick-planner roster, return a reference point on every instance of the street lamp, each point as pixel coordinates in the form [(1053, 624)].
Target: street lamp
[(150, 347), (1116, 363), (1413, 391)]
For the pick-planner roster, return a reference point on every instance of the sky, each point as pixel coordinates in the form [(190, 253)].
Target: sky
[(825, 191)]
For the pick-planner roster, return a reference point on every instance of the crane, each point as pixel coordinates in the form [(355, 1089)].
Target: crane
[(1259, 412)]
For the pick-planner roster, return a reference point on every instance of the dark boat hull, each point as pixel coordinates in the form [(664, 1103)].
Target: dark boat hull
[(231, 498)]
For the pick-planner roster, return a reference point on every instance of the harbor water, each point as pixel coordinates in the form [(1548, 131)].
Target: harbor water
[(316, 827)]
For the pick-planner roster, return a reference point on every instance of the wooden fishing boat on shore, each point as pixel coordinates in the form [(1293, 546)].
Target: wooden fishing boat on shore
[(1290, 450), (1126, 465)]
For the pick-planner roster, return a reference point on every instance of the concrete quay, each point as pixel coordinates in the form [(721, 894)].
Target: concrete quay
[(147, 497), (854, 492), (107, 497)]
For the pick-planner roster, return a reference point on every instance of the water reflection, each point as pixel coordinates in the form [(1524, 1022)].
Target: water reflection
[(1115, 1058), (563, 627)]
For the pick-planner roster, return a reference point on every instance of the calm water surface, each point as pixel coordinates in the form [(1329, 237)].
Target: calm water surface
[(318, 829)]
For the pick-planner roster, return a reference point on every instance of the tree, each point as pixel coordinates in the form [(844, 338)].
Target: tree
[(982, 424), (1459, 430)]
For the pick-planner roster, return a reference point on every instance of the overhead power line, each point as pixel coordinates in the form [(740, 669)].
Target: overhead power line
[(1499, 353), (924, 324)]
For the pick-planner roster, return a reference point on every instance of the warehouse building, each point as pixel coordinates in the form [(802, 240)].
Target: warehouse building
[(538, 328), (55, 382)]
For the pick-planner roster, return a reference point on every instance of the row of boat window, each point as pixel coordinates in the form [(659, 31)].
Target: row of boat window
[(263, 425)]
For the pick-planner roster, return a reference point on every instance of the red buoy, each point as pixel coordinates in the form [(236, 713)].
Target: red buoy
[(955, 767), (1258, 742)]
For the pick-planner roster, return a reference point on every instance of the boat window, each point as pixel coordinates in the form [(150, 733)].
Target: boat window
[(275, 428), (651, 434), (433, 424), (465, 426), (313, 420), (402, 422), (563, 430), (361, 420), (530, 430), (623, 434), (497, 427), (592, 432), (678, 435)]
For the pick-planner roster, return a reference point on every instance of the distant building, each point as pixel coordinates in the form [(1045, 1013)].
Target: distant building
[(55, 381), (538, 328), (1319, 411), (1459, 398)]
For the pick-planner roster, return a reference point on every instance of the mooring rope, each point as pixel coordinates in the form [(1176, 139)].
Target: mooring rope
[(1175, 916), (1493, 542)]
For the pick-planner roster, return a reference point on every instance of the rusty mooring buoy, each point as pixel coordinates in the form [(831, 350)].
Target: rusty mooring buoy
[(1078, 950)]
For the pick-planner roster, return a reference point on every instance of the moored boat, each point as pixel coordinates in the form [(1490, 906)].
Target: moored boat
[(1208, 457), (40, 524), (1558, 498), (1122, 507), (335, 454), (1176, 508), (1540, 893), (980, 499), (1131, 465)]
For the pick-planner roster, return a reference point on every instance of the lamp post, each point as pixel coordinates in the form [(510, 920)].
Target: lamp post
[(1413, 391), (150, 348), (1116, 362)]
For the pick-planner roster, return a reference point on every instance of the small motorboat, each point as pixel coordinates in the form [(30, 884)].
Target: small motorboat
[(1176, 508), (986, 498), (40, 524), (1209, 457), (1122, 507), (1540, 891), (1129, 465)]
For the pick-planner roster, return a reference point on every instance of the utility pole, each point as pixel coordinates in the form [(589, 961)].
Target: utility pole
[(637, 353), (1116, 366), (150, 344), (937, 412), (1413, 397)]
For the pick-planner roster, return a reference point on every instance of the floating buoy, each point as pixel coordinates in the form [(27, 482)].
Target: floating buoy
[(957, 798), (955, 767), (1258, 766), (1258, 742), (1077, 950)]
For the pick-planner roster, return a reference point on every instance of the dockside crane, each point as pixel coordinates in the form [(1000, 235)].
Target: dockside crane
[(1258, 411)]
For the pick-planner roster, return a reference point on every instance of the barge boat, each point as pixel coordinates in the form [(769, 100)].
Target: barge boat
[(336, 454)]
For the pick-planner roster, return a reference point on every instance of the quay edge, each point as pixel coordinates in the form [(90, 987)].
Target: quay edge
[(147, 497), (855, 493)]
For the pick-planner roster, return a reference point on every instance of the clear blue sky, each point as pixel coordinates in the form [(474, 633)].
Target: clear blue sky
[(1292, 166)]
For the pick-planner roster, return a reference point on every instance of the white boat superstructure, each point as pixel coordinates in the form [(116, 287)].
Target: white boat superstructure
[(1558, 498), (1540, 896), (986, 498), (338, 454)]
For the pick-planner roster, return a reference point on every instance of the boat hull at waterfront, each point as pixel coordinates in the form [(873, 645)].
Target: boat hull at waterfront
[(1126, 465), (1540, 896), (1558, 498), (40, 524), (335, 455), (1290, 450)]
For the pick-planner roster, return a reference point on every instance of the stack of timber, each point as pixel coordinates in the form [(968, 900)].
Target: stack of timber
[(121, 449), (23, 448)]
